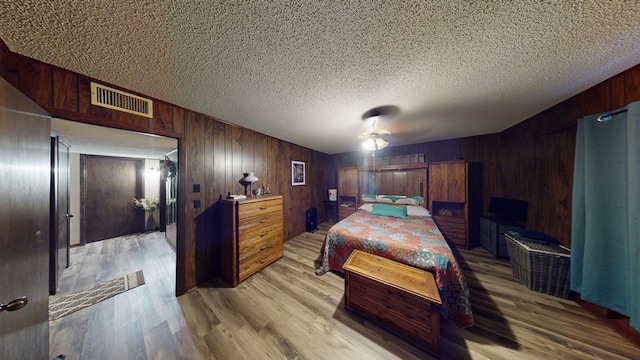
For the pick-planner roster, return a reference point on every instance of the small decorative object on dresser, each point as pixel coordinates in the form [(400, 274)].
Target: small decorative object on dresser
[(248, 179), (297, 173)]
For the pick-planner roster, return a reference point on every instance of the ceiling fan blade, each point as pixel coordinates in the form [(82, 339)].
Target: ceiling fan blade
[(374, 133)]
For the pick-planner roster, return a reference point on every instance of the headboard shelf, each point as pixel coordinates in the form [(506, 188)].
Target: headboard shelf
[(380, 168), (408, 180)]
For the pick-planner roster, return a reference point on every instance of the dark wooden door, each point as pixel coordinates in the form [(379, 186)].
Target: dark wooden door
[(24, 219), (60, 216), (457, 184), (438, 183), (108, 186)]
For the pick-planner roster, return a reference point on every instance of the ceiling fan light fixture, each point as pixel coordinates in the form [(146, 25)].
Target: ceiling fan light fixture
[(373, 138), (374, 143)]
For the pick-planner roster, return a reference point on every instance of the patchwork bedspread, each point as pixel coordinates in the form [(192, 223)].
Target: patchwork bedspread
[(416, 241)]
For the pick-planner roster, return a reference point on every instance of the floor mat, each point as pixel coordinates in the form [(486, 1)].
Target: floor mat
[(85, 298)]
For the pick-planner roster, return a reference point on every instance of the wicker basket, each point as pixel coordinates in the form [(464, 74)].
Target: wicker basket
[(541, 267)]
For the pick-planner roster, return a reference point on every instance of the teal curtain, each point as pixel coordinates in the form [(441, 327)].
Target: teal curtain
[(605, 229)]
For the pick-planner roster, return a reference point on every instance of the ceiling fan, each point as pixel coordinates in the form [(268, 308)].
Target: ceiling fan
[(373, 138)]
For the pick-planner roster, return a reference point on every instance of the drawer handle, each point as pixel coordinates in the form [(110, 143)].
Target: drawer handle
[(264, 247), (263, 207), (264, 234), (263, 261), (263, 221)]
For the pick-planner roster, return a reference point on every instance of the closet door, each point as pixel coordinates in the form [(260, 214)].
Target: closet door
[(438, 184), (456, 180)]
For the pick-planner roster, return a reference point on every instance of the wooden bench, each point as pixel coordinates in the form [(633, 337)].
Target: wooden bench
[(398, 297)]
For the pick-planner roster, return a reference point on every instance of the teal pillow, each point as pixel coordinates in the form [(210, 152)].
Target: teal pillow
[(368, 196), (394, 198), (419, 199), (399, 212)]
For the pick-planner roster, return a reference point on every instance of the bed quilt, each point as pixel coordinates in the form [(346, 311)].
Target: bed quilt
[(415, 241)]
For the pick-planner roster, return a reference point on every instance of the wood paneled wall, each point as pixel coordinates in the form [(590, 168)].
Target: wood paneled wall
[(212, 153), (531, 161)]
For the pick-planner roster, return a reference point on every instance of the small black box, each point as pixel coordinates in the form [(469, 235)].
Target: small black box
[(312, 220)]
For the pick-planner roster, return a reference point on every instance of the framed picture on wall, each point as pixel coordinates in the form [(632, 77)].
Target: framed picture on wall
[(297, 173)]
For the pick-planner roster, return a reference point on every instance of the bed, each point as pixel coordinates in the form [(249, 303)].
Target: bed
[(414, 240)]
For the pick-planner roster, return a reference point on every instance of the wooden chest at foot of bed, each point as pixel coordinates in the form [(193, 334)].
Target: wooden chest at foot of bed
[(398, 297)]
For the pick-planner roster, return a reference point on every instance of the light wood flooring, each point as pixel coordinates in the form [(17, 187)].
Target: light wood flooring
[(287, 312)]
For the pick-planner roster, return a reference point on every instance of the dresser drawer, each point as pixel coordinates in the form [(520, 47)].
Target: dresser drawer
[(344, 211), (252, 226), (250, 247), (249, 234), (259, 260), (454, 231), (260, 208)]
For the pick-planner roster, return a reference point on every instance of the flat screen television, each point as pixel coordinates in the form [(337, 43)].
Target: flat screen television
[(511, 209)]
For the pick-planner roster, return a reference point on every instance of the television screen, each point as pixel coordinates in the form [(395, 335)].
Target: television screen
[(508, 208)]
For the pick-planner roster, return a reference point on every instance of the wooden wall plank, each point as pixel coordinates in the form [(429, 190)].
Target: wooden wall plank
[(178, 120), (162, 116), (631, 84), (235, 157), (194, 167), (32, 78), (65, 90), (4, 59)]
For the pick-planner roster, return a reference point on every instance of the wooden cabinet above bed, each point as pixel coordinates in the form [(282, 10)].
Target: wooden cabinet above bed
[(454, 200), (347, 191)]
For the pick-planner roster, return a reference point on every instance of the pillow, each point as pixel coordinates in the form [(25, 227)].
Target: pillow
[(368, 199), (399, 212), (391, 196), (394, 198), (368, 196), (383, 200), (366, 207), (419, 199), (407, 201), (418, 211)]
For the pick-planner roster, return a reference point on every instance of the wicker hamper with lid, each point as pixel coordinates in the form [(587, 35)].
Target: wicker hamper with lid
[(541, 267)]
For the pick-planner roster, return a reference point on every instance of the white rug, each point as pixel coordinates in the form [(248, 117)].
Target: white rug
[(85, 298)]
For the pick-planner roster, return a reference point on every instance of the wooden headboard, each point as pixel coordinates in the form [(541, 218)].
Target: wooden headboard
[(404, 179)]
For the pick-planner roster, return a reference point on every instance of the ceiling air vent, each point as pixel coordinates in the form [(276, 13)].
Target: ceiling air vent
[(119, 100)]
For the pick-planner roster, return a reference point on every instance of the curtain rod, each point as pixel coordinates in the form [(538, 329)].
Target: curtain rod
[(607, 117)]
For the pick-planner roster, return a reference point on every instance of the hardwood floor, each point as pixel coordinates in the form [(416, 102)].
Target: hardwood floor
[(287, 312)]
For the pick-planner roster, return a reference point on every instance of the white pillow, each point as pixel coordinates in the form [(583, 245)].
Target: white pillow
[(383, 200), (407, 201), (417, 211), (366, 207), (395, 196)]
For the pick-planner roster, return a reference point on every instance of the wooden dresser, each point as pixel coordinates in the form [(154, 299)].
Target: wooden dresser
[(401, 298), (251, 236)]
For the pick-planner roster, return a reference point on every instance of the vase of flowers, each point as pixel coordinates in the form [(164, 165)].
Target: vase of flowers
[(149, 206)]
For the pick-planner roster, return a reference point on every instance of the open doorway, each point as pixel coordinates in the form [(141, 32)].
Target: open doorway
[(152, 151), (149, 254), (150, 154)]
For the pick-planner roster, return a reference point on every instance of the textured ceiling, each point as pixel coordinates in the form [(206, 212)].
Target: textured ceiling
[(305, 71)]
